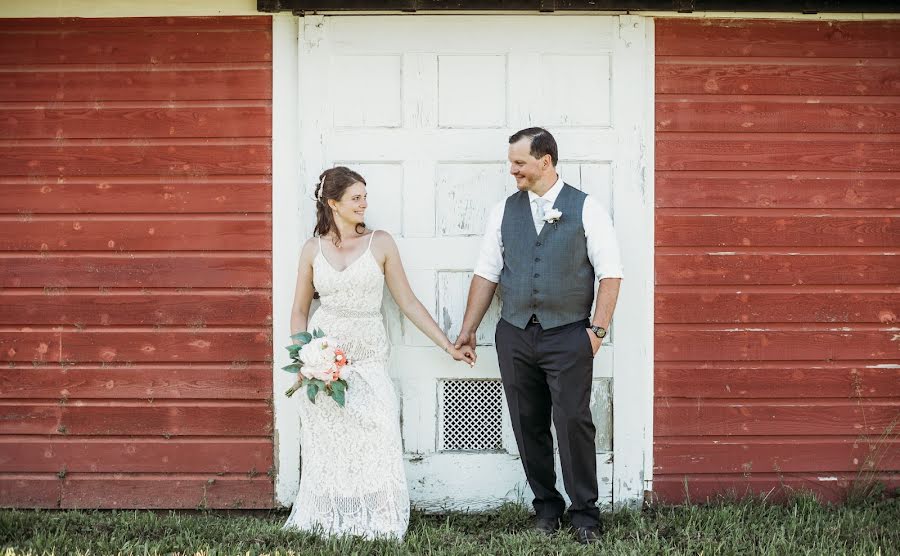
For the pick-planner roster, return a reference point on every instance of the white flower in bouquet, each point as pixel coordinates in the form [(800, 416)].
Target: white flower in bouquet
[(321, 363), (317, 357)]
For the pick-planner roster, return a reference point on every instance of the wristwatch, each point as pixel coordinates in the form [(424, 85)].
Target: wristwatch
[(599, 331)]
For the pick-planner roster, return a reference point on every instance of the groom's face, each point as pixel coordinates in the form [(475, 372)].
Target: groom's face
[(527, 169)]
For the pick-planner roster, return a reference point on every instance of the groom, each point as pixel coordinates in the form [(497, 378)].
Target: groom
[(545, 245)]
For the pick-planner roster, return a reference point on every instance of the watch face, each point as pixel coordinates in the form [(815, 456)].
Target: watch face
[(599, 331)]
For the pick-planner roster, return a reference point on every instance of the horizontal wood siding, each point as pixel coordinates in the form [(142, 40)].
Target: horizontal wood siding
[(777, 269), (135, 263)]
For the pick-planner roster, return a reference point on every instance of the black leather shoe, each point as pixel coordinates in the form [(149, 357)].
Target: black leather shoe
[(587, 535), (546, 525)]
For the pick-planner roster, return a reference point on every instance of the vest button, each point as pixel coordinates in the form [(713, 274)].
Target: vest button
[(535, 291), (537, 259), (537, 275), (538, 244)]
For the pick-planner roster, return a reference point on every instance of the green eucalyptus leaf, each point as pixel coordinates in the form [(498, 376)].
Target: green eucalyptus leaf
[(338, 393), (311, 390), (318, 333), (293, 367), (302, 337)]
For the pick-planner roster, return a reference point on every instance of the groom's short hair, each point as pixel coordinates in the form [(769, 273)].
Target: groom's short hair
[(542, 143)]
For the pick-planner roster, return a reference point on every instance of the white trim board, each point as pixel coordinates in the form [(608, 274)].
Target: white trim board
[(633, 383), (286, 240)]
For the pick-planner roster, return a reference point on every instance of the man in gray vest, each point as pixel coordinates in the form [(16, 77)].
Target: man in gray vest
[(545, 245)]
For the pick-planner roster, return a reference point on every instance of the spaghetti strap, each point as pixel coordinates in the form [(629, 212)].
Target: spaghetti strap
[(370, 240)]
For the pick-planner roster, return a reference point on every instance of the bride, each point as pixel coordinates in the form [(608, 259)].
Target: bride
[(352, 478)]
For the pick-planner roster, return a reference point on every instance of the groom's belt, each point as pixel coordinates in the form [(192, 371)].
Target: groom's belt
[(584, 322)]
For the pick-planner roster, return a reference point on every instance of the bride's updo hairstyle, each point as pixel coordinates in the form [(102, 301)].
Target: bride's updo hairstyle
[(332, 184)]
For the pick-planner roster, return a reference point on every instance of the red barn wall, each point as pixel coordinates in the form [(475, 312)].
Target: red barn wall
[(135, 309), (778, 204)]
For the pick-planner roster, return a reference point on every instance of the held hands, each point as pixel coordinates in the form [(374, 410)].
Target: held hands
[(465, 345), (465, 354)]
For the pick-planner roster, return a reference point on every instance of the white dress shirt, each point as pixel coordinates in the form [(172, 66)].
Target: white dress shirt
[(602, 247)]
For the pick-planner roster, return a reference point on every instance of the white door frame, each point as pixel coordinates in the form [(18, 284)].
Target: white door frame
[(632, 391)]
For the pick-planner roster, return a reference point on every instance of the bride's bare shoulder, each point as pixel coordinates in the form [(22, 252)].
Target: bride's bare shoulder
[(383, 240), (310, 249)]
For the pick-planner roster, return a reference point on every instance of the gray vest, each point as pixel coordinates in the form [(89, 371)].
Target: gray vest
[(547, 275)]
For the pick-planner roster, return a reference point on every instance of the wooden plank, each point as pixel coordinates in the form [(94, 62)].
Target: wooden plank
[(30, 491), (126, 194), (137, 233), (766, 342), (778, 229), (828, 487), (786, 418), (137, 82), (774, 268), (139, 120), (741, 114), (759, 38), (150, 270), (135, 455), (128, 44), (122, 491), (838, 304), (221, 381), (118, 157), (858, 380), (777, 190), (136, 491), (161, 418), (774, 455), (164, 307), (136, 345), (789, 76), (760, 151), (168, 491)]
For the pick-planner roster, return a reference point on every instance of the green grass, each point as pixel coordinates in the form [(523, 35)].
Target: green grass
[(800, 526)]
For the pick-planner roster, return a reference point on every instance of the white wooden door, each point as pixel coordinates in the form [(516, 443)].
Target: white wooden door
[(422, 107)]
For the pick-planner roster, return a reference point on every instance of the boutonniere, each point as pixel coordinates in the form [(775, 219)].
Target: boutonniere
[(552, 216)]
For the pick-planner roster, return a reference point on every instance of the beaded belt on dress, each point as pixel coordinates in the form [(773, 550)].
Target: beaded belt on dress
[(350, 313)]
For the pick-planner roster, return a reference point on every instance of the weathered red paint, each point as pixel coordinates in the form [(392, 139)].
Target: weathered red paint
[(154, 381), (128, 306), (129, 194), (777, 231), (137, 233), (135, 247)]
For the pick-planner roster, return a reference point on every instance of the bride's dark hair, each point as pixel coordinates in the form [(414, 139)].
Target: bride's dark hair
[(332, 184)]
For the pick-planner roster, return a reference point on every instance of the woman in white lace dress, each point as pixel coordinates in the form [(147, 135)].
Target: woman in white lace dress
[(352, 480)]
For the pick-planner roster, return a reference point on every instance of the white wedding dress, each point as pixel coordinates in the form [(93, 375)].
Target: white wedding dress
[(352, 480)]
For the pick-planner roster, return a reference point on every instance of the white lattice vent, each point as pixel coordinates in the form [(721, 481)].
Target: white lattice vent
[(470, 415)]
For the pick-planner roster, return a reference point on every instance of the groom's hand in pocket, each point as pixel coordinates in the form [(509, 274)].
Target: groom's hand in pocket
[(595, 341)]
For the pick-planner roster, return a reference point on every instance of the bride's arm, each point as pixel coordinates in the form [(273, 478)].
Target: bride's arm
[(303, 292), (409, 304)]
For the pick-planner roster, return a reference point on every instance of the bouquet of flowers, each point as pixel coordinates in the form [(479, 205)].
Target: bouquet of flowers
[(321, 364)]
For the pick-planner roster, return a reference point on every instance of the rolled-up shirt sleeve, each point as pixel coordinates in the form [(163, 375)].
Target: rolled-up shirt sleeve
[(602, 245), (490, 259)]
